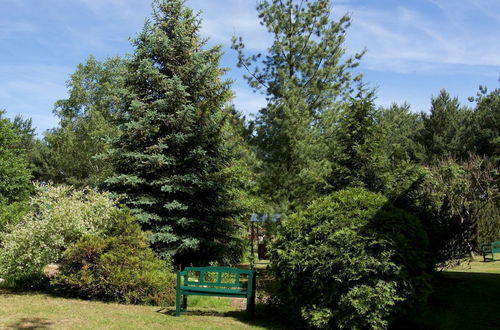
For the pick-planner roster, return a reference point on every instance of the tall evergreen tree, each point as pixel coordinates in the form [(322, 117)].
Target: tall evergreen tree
[(443, 133), (170, 158), (484, 134), (355, 151), (400, 128), (304, 72)]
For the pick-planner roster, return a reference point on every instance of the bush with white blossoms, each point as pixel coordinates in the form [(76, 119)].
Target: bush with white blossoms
[(59, 217)]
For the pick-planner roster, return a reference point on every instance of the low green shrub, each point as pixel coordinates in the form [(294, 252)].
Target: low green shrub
[(351, 260), (117, 265), (58, 216)]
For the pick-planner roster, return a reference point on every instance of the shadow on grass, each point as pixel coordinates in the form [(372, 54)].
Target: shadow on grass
[(263, 316), (463, 301), (31, 323), (17, 292)]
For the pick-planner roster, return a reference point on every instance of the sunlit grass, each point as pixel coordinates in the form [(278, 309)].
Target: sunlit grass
[(465, 297), (43, 311), (478, 266)]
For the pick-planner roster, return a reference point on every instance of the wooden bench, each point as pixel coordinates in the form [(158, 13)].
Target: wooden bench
[(211, 281), (490, 248)]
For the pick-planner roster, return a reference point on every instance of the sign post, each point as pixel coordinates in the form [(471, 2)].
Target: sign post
[(255, 220)]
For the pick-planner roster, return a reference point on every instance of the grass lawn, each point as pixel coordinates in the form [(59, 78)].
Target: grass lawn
[(465, 297), (43, 311)]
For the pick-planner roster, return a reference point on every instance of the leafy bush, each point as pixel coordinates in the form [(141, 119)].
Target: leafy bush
[(351, 260), (488, 224), (59, 216), (117, 266), (11, 214)]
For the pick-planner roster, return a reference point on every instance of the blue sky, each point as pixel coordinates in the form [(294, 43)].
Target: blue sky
[(415, 47)]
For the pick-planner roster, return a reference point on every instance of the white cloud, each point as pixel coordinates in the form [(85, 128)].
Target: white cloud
[(409, 40), (232, 17), (400, 38), (425, 37)]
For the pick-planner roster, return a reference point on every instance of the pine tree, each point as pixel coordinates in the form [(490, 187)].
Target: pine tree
[(483, 136), (400, 129), (171, 157), (443, 134), (304, 73)]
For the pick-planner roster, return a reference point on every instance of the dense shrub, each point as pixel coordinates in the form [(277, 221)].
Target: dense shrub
[(11, 214), (118, 266), (351, 260), (488, 226), (457, 203), (58, 217)]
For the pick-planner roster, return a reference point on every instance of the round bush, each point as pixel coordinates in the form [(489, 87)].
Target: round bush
[(117, 265), (350, 260)]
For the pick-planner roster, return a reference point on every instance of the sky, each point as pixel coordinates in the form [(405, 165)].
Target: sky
[(414, 47)]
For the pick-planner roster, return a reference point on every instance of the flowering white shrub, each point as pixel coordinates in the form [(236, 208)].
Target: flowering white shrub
[(59, 217)]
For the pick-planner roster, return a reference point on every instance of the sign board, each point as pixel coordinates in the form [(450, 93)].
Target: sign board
[(265, 217)]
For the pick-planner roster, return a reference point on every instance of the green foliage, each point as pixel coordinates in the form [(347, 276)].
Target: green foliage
[(443, 134), (243, 170), (304, 73), (400, 133), (483, 136), (171, 159), (11, 214), (88, 121), (116, 265), (355, 151), (488, 223), (58, 217), (15, 175), (36, 151), (351, 260), (452, 199)]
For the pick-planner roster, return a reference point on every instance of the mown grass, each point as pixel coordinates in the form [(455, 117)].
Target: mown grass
[(20, 310), (465, 297)]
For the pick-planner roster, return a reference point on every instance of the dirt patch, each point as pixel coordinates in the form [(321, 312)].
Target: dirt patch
[(239, 303)]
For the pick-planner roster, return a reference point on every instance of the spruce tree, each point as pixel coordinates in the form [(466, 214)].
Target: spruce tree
[(303, 74), (170, 158)]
